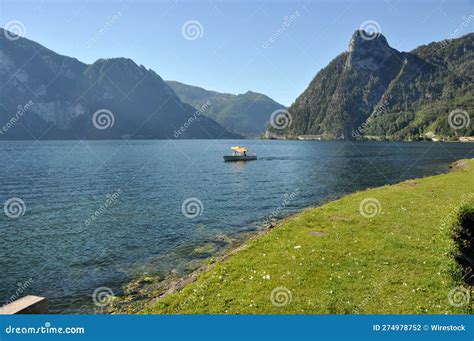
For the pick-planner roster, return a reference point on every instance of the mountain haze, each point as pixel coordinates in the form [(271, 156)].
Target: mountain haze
[(49, 96), (246, 114)]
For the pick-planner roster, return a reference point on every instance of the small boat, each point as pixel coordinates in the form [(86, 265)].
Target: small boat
[(240, 154)]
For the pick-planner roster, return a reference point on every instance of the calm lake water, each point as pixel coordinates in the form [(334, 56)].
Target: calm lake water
[(100, 213)]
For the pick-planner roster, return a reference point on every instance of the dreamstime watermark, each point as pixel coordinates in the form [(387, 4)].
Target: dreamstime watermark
[(102, 296), (192, 207), (14, 208), (276, 213), (287, 22), (370, 296), (192, 30), (22, 286), (459, 296), (109, 201), (462, 295), (370, 30), (379, 109), (103, 119), (46, 329), (281, 297), (109, 22), (459, 119), (21, 110), (281, 119), (14, 30), (200, 111), (449, 219), (466, 21), (370, 207)]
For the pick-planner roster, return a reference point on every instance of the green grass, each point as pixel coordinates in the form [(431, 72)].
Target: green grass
[(399, 261)]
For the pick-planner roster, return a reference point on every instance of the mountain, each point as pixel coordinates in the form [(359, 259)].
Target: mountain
[(49, 96), (246, 114), (374, 90)]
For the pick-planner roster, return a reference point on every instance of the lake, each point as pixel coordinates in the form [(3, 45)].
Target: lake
[(101, 213)]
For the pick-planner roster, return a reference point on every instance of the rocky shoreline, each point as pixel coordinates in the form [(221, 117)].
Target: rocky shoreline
[(148, 289)]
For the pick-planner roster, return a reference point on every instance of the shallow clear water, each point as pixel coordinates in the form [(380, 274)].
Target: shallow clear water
[(135, 191)]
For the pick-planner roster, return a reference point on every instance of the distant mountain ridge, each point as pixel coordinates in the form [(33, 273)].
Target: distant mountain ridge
[(49, 96), (245, 114), (374, 90)]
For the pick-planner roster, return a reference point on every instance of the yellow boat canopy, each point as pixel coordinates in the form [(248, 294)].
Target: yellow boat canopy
[(239, 149)]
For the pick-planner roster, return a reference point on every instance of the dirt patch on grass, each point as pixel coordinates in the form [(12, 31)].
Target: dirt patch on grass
[(409, 184), (317, 233), (459, 166)]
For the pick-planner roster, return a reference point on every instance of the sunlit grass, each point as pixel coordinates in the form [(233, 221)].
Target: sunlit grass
[(398, 261)]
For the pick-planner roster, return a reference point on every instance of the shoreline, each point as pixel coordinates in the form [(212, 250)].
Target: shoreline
[(133, 303), (368, 138), (405, 256)]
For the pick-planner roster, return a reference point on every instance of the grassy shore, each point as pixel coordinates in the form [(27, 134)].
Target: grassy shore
[(384, 250)]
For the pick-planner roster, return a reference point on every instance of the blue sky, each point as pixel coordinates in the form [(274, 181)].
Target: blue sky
[(232, 52)]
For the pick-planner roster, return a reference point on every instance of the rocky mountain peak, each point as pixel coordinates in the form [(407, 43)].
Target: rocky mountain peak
[(67, 93), (376, 91), (367, 51), (363, 41)]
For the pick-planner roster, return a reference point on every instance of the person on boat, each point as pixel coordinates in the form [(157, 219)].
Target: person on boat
[(245, 153)]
